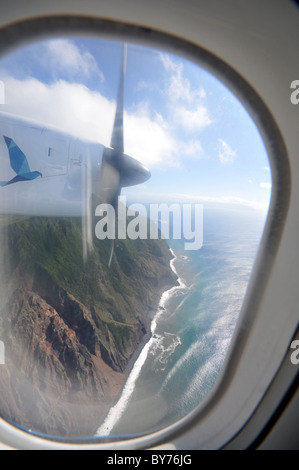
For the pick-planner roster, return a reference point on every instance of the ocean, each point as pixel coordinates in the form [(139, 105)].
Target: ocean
[(193, 326)]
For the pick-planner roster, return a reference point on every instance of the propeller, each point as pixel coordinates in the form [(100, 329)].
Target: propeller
[(117, 169)]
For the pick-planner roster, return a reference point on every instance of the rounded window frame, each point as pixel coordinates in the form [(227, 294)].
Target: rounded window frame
[(26, 31)]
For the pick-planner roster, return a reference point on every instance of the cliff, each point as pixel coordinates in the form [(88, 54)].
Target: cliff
[(71, 326)]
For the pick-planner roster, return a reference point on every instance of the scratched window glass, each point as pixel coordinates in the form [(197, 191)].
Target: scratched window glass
[(134, 189)]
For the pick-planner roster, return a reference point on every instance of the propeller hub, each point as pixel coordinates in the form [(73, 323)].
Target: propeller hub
[(131, 171)]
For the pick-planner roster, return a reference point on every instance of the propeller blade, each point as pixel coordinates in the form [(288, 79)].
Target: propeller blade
[(117, 170), (111, 253), (114, 203), (107, 183), (117, 138), (108, 178)]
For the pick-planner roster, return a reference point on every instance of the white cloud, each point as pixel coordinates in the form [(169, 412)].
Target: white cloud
[(62, 55), (74, 109), (202, 93), (148, 139), (185, 103), (139, 195), (226, 153), (167, 62), (192, 120), (265, 185), (192, 149), (70, 107), (179, 87)]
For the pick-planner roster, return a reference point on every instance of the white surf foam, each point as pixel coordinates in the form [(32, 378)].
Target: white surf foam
[(117, 410)]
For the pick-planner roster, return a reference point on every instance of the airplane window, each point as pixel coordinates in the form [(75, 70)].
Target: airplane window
[(134, 191)]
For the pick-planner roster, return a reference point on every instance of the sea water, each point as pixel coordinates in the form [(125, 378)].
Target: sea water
[(193, 326)]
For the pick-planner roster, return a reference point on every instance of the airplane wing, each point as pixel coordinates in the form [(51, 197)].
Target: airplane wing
[(63, 183)]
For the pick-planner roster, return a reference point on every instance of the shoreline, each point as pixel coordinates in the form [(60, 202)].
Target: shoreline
[(153, 313), (135, 364)]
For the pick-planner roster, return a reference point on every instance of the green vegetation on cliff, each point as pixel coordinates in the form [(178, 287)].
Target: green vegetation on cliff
[(67, 321)]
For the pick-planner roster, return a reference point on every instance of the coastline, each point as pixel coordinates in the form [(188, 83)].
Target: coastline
[(140, 355)]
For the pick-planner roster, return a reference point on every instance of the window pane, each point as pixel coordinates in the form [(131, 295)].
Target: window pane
[(120, 288)]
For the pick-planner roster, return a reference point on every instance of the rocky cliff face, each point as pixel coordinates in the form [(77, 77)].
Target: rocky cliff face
[(71, 326)]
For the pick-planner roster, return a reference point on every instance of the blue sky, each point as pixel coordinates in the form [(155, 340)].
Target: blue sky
[(194, 135)]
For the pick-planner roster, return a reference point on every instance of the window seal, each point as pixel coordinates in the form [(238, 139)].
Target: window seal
[(37, 28)]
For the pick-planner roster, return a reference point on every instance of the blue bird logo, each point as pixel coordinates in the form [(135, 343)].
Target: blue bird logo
[(19, 164)]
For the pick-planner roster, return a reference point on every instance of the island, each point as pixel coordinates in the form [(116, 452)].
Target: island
[(72, 326)]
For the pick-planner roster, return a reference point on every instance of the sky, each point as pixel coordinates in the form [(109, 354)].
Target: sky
[(196, 138)]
